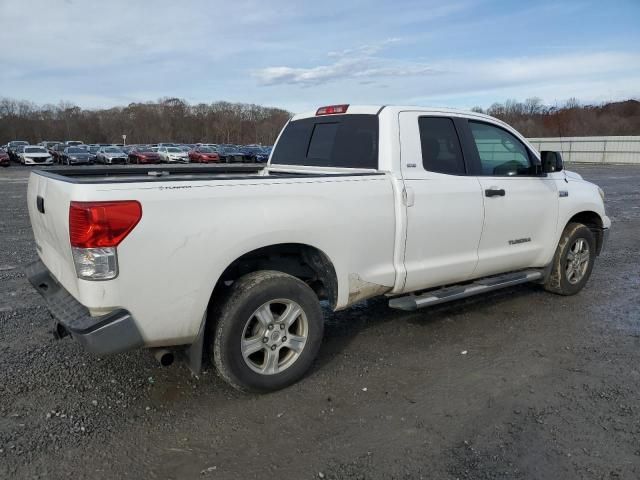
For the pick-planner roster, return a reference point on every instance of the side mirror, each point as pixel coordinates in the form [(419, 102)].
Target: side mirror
[(551, 161)]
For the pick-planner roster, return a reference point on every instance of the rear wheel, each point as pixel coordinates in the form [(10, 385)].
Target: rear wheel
[(573, 260), (267, 331)]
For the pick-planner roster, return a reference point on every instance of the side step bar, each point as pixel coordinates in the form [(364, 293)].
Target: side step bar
[(456, 292)]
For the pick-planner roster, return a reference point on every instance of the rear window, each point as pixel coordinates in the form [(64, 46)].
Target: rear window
[(347, 141)]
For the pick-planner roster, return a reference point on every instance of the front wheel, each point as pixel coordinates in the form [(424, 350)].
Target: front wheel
[(573, 260), (267, 331)]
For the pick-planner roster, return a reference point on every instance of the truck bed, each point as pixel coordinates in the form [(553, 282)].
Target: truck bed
[(177, 173), (150, 173)]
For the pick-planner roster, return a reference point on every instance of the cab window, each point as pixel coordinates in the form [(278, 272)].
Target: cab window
[(441, 151), (500, 152)]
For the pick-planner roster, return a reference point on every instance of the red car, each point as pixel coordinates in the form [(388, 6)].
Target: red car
[(4, 158), (143, 155), (203, 155)]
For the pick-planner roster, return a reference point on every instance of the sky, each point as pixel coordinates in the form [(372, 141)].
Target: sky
[(302, 54)]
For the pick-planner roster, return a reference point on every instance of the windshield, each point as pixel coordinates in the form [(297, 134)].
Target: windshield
[(75, 150), (34, 150), (346, 141), (146, 150), (206, 150), (112, 150), (174, 150), (94, 149)]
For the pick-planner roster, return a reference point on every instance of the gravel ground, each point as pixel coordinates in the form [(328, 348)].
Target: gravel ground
[(549, 386)]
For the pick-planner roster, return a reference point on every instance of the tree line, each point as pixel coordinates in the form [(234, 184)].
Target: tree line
[(175, 120), (166, 120), (534, 119)]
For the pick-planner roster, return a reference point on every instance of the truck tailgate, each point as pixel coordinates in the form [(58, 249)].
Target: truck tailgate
[(48, 203)]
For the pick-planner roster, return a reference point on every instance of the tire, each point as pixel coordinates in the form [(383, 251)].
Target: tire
[(570, 272), (241, 322)]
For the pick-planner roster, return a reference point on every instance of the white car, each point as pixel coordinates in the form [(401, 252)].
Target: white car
[(173, 155), (35, 155), (111, 156), (420, 205)]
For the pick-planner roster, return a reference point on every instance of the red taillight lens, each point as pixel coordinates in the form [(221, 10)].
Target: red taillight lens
[(102, 224), (332, 109)]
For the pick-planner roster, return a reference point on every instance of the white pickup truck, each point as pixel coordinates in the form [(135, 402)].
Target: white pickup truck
[(421, 205)]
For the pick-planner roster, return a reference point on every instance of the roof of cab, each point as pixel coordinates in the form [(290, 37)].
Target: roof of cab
[(376, 109)]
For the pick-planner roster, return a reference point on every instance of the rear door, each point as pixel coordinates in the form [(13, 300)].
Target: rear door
[(443, 202), (520, 205)]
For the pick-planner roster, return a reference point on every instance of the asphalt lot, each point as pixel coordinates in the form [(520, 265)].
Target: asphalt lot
[(549, 386)]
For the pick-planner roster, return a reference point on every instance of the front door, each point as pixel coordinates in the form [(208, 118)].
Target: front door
[(520, 206)]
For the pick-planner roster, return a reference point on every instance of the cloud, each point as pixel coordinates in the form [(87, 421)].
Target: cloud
[(418, 82), (361, 62)]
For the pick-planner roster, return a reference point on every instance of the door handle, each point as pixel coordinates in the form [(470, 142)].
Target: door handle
[(494, 192)]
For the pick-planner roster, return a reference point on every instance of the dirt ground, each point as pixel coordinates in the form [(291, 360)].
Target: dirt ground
[(549, 387)]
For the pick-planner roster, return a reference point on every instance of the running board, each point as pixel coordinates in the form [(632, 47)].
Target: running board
[(456, 292)]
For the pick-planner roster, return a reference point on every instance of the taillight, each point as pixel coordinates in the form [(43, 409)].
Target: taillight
[(95, 230), (102, 224), (332, 109)]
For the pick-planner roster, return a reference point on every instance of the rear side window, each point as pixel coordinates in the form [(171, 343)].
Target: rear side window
[(347, 141), (441, 151)]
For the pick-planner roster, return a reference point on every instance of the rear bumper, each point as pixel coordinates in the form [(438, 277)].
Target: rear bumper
[(111, 333)]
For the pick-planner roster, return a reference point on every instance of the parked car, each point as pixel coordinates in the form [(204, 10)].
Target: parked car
[(173, 155), (4, 158), (17, 151), (263, 156), (49, 144), (204, 155), (35, 155), (144, 155), (230, 155), (57, 151), (74, 156), (421, 205), (111, 156), (250, 153), (12, 147), (93, 151)]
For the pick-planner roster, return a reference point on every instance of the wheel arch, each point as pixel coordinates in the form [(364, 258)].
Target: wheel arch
[(303, 261), (594, 222)]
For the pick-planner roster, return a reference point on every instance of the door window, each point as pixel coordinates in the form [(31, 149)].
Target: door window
[(441, 151), (500, 152)]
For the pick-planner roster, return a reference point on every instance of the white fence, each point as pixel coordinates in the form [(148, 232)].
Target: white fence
[(593, 149)]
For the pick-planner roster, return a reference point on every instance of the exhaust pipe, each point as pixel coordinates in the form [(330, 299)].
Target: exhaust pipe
[(59, 332), (163, 356)]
